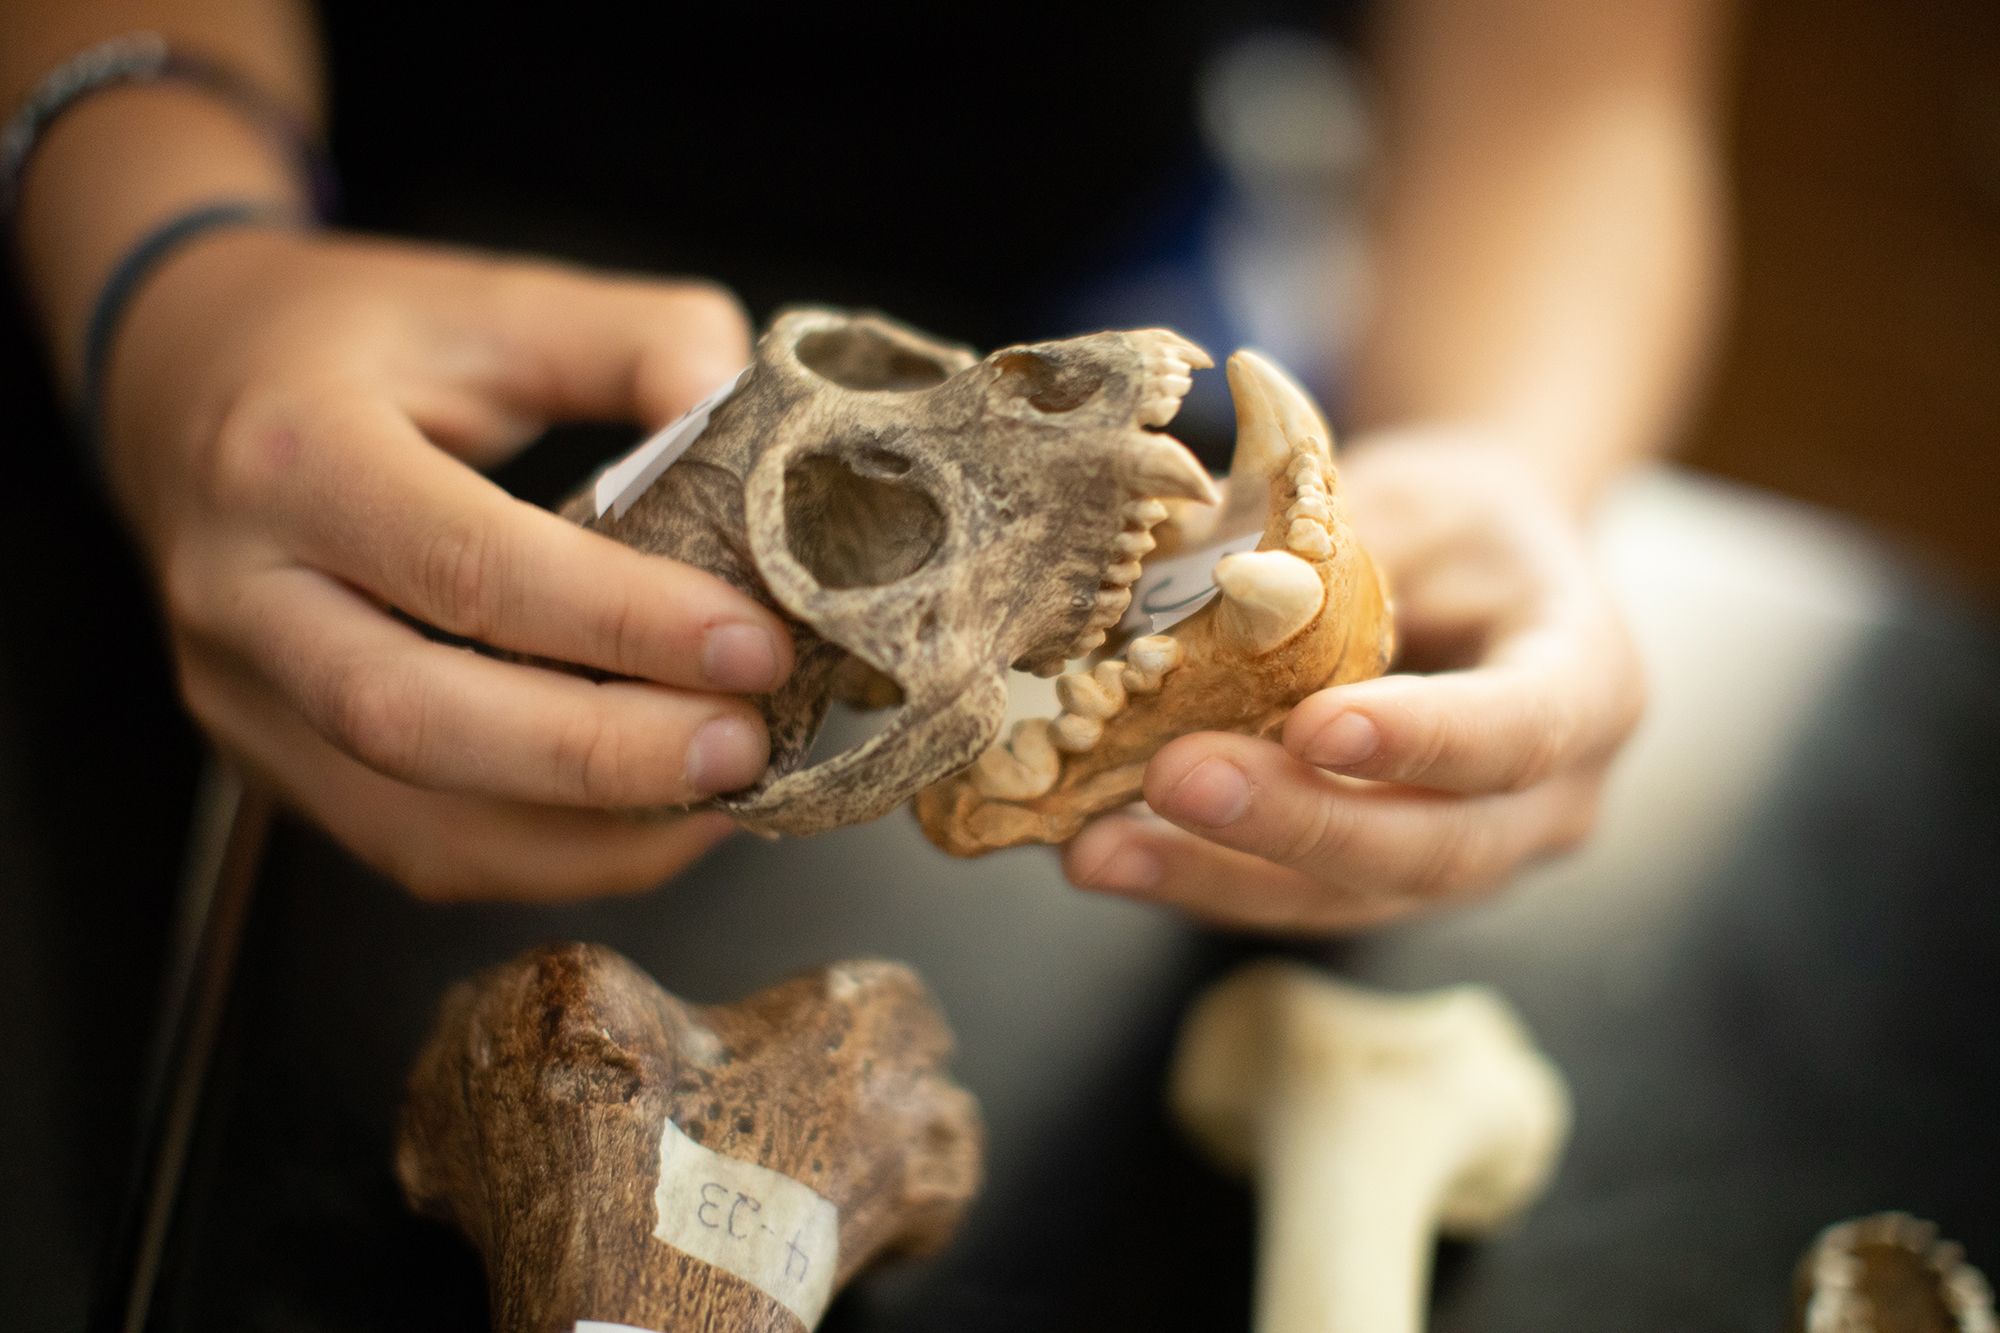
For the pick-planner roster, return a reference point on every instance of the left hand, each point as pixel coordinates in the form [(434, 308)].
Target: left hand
[(1390, 795)]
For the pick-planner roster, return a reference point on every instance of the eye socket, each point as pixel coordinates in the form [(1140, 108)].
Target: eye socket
[(858, 357), (855, 529), (1048, 385)]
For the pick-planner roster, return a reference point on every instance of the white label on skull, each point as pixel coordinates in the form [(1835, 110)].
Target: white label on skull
[(768, 1229), (627, 479), (1176, 587), (599, 1326)]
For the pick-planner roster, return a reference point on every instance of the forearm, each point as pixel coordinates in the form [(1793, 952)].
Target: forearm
[(1548, 244), (125, 158)]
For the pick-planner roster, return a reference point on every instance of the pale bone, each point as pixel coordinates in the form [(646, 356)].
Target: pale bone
[(1889, 1273), (536, 1110), (923, 520), (1305, 610), (1370, 1122)]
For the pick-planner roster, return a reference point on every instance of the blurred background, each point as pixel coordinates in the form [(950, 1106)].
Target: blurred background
[(1770, 977)]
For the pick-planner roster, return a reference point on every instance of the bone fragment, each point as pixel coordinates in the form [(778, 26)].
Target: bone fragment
[(621, 1156), (1369, 1122)]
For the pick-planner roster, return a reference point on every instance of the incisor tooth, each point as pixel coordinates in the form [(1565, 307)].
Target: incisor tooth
[(1074, 733), (1308, 539), (1134, 545), (1022, 768), (1146, 512), (1087, 642), (1267, 597), (1160, 466)]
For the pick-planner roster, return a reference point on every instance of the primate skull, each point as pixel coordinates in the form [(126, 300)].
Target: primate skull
[(925, 521)]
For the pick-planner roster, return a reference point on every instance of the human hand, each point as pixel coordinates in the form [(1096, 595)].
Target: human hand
[(292, 424), (1386, 796)]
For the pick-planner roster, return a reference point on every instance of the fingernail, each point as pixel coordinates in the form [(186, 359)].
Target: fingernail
[(740, 657), (1127, 870), (1214, 793), (1347, 740), (726, 754)]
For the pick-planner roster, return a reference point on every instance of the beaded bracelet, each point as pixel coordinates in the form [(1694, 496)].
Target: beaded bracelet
[(146, 57)]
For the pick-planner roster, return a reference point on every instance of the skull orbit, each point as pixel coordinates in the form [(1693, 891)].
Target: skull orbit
[(933, 518)]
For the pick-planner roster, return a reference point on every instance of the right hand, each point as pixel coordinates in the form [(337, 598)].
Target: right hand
[(292, 423)]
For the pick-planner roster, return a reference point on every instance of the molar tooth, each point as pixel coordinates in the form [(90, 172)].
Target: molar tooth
[(1087, 642), (1161, 467), (1025, 766), (1313, 506), (1309, 539), (1134, 545), (1148, 659), (1111, 604), (1095, 694), (1267, 597), (1074, 733), (1123, 574)]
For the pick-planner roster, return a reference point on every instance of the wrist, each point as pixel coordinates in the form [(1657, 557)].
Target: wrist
[(112, 170)]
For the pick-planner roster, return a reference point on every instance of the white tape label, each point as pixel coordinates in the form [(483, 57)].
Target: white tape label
[(766, 1228), (1176, 587), (627, 479), (596, 1326)]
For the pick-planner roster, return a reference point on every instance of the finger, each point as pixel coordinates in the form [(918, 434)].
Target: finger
[(440, 845), (1371, 838), (365, 496), (1150, 860), (594, 345), (1554, 695), (446, 718)]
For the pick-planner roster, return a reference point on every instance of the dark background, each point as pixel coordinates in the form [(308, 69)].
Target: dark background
[(1800, 1033)]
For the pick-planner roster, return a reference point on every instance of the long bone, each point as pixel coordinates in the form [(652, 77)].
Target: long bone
[(1370, 1122), (620, 1157), (1306, 609)]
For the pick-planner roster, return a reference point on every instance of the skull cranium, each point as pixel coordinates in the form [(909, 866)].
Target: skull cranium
[(934, 518)]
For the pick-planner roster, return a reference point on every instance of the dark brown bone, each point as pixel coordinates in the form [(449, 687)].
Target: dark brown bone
[(536, 1111)]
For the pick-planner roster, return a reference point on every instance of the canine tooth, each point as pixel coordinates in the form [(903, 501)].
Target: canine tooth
[(1123, 574), (1134, 545), (1161, 467), (1111, 604), (1145, 512), (1167, 342), (1075, 733), (1267, 597), (1023, 767), (1313, 506), (1309, 539), (1097, 694)]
